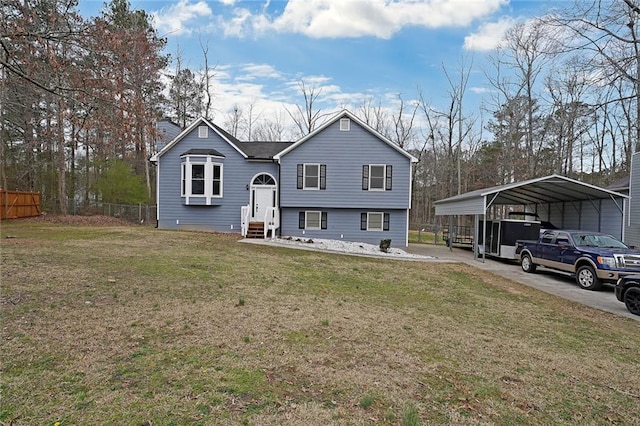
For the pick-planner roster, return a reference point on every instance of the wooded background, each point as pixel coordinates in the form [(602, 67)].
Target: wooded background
[(80, 99)]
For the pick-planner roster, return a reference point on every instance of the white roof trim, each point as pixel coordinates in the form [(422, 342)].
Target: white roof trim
[(548, 178), (524, 197), (337, 117), (154, 158)]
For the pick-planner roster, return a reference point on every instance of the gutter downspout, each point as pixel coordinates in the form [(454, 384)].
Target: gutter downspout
[(279, 185)]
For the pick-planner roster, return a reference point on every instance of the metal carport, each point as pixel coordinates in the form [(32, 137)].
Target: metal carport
[(566, 202)]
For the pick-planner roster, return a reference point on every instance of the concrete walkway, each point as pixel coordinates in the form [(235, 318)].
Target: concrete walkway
[(562, 285)]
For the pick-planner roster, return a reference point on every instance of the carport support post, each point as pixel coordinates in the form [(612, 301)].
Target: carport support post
[(484, 233), (475, 237), (450, 233)]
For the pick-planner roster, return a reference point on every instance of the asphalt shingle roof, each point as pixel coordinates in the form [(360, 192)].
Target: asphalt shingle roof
[(197, 151), (262, 150)]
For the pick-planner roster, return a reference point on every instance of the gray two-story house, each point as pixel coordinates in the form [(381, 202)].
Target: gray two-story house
[(344, 181), (632, 227)]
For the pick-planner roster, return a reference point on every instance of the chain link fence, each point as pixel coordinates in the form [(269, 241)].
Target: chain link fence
[(427, 233), (141, 214)]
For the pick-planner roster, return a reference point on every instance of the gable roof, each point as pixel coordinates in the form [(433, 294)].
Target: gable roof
[(273, 150), (219, 131), (549, 189), (346, 114)]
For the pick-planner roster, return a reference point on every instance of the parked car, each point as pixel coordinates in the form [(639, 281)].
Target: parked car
[(593, 257), (628, 292)]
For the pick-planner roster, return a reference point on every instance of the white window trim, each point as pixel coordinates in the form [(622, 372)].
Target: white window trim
[(213, 165), (183, 177), (384, 177), (306, 220), (345, 124), (304, 177), (189, 187), (186, 176), (203, 132), (369, 214)]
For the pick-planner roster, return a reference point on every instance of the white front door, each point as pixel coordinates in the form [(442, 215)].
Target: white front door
[(263, 198)]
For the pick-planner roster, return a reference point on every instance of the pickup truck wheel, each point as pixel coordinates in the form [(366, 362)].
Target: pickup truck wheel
[(632, 300), (587, 279), (527, 264)]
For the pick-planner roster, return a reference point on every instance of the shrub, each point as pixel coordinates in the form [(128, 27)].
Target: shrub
[(119, 184), (385, 245)]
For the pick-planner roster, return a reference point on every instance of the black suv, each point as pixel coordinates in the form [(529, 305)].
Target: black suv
[(628, 291)]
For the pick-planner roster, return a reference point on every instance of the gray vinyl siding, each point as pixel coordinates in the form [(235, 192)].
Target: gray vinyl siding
[(344, 224), (167, 131), (224, 216), (632, 230), (344, 154)]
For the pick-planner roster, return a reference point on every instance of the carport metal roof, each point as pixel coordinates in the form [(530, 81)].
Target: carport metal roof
[(549, 189)]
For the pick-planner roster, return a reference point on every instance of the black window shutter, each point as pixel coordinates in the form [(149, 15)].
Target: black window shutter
[(300, 175), (363, 221), (385, 223), (365, 177), (323, 220), (388, 182), (323, 176), (301, 220)]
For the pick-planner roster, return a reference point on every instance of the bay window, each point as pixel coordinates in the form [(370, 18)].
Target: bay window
[(201, 179)]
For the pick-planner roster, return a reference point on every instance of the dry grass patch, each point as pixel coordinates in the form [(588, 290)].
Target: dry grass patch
[(133, 325)]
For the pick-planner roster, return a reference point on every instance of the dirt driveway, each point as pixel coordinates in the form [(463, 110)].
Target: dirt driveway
[(545, 280)]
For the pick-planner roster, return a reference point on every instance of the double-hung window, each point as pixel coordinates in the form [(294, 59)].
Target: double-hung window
[(312, 176), (197, 179), (374, 221), (201, 179), (312, 220), (216, 180), (377, 177)]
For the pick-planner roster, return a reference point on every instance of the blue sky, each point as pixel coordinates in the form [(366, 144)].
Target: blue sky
[(348, 49)]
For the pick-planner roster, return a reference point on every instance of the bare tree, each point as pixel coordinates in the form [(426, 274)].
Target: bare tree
[(525, 52), (569, 121), (251, 119), (207, 81), (307, 117), (457, 91), (271, 129), (234, 120), (403, 123), (605, 32), (374, 115)]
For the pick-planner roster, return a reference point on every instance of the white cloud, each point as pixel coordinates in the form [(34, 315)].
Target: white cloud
[(227, 2), (479, 90), (175, 19), (236, 25), (273, 93), (359, 18), (258, 71), (489, 35)]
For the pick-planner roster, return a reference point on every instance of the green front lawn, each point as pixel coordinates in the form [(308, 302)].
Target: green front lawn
[(132, 325)]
